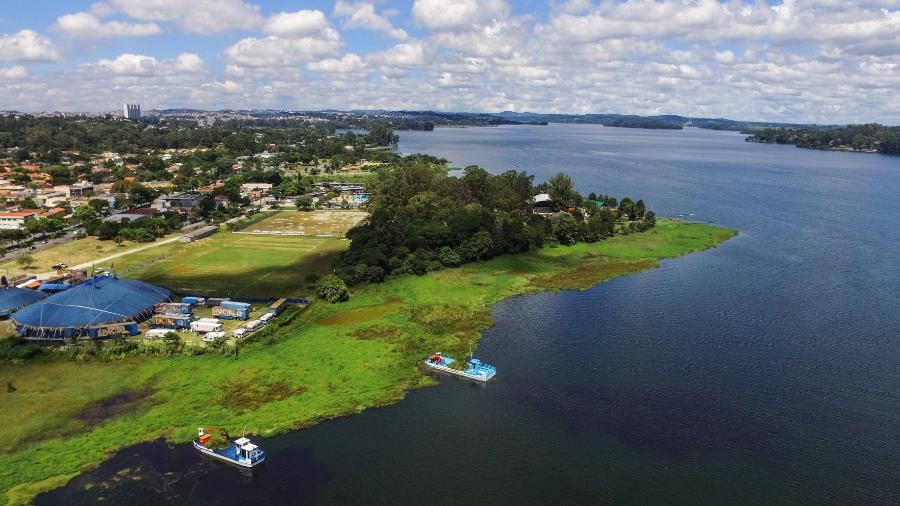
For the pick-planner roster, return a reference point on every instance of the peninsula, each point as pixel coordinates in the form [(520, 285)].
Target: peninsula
[(419, 273)]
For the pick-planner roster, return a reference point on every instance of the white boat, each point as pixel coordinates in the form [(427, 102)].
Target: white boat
[(240, 453)]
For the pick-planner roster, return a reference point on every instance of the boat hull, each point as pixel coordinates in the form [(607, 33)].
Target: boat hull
[(461, 374), (218, 456)]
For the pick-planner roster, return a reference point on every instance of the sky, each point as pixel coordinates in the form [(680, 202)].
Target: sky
[(824, 61)]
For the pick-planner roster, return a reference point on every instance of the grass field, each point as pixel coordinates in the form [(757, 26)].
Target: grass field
[(328, 361), (316, 223), (238, 265), (71, 253)]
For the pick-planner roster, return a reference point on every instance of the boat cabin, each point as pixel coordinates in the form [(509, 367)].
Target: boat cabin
[(247, 450)]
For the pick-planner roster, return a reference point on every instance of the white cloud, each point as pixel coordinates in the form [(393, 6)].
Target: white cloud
[(404, 55), (16, 72), (439, 15), (27, 46), (279, 52), (305, 23), (83, 25), (349, 63), (129, 64), (197, 16), (363, 15)]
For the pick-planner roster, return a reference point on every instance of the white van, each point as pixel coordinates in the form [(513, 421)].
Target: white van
[(239, 332), (212, 336), (266, 317), (156, 333)]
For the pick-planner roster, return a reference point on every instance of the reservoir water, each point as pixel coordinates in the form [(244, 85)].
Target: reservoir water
[(766, 371)]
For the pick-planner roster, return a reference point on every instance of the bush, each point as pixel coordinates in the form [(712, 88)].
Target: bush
[(332, 289)]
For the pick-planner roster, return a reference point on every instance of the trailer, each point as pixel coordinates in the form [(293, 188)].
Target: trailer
[(277, 307), (227, 313), (253, 324), (113, 330), (194, 301), (232, 304), (171, 321), (215, 301), (201, 326), (172, 308), (156, 333)]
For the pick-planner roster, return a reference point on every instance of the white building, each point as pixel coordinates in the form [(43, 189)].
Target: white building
[(131, 111), (16, 220)]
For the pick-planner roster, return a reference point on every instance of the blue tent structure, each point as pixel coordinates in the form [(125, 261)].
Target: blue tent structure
[(12, 299), (98, 301)]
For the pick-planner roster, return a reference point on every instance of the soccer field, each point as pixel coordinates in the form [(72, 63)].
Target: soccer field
[(242, 265), (311, 223)]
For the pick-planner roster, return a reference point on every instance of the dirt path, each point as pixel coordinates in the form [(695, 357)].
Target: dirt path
[(87, 265)]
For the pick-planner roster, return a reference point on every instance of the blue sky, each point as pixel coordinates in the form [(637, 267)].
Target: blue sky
[(789, 60)]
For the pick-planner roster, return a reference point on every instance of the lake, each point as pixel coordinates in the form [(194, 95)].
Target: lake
[(764, 371)]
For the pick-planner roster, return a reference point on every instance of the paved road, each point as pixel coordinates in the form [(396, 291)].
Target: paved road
[(87, 265)]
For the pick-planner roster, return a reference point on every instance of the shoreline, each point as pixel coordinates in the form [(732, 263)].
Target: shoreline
[(348, 357)]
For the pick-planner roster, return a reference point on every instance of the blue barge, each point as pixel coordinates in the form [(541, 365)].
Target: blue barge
[(475, 369), (241, 452)]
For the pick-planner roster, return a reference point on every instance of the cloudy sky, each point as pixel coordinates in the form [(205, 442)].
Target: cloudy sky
[(791, 60)]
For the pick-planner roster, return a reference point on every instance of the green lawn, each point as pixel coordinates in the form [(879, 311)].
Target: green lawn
[(328, 361), (240, 265)]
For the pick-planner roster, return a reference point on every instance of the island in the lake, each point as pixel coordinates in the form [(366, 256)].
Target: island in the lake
[(870, 138)]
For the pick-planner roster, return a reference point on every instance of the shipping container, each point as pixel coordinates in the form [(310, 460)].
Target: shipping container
[(172, 308), (227, 313), (278, 306), (231, 304), (171, 321), (113, 330)]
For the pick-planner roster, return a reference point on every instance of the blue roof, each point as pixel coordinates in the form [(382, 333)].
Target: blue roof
[(105, 299), (13, 298)]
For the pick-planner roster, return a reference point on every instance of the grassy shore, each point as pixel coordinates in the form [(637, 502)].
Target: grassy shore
[(328, 361)]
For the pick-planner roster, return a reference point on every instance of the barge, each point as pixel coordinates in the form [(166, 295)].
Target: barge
[(241, 452), (475, 369)]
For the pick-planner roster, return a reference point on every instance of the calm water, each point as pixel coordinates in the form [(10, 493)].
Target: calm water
[(765, 371)]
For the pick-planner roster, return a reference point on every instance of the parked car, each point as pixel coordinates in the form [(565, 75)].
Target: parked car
[(212, 336)]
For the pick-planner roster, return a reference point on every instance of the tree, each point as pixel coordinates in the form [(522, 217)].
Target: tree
[(332, 289), (566, 229), (84, 213), (304, 203), (626, 209), (476, 247), (562, 190), (639, 209), (25, 261)]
